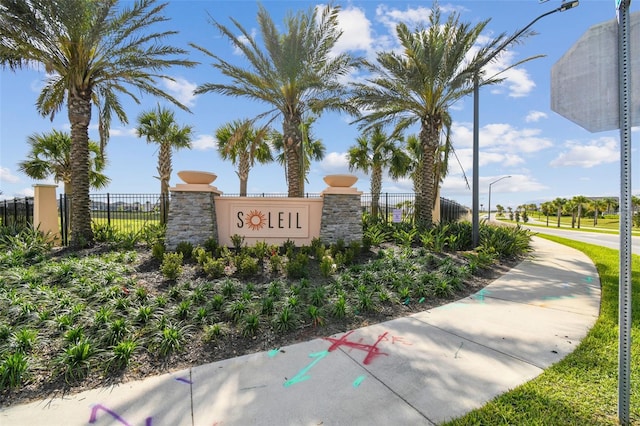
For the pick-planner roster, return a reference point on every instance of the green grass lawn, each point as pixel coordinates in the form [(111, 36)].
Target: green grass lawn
[(582, 389)]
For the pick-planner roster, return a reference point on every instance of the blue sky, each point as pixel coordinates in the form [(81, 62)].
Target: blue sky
[(546, 155)]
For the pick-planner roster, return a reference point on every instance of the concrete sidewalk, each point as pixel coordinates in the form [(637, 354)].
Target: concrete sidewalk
[(419, 370)]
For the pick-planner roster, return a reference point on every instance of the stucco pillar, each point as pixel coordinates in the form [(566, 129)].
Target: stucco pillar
[(45, 211)]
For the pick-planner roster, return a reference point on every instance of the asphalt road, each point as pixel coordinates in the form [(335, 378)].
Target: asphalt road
[(597, 238)]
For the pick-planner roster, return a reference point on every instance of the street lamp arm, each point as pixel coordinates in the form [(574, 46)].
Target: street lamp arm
[(565, 6), (475, 222)]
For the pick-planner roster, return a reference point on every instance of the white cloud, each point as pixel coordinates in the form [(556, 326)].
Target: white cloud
[(335, 162), (203, 143), (356, 30), (535, 116), (182, 90), (518, 82), (122, 132), (499, 144), (595, 152), (7, 176), (412, 17)]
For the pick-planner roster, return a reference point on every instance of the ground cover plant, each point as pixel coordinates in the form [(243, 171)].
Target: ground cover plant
[(127, 308), (581, 389)]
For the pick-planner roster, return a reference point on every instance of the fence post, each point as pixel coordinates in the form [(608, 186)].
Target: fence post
[(108, 211), (386, 207)]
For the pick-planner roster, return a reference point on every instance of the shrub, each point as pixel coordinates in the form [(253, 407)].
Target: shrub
[(214, 268), (212, 332), (251, 325), (247, 266), (171, 339), (22, 247), (13, 369), (104, 233), (298, 267), (171, 266), (24, 340), (75, 360), (506, 241), (123, 352), (186, 248), (157, 251), (285, 319)]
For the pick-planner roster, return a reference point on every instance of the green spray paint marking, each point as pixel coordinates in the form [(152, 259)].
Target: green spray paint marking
[(301, 376), (421, 300), (273, 352), (358, 381)]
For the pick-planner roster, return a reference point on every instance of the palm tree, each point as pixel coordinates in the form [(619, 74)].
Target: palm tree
[(243, 144), (419, 85), (50, 156), (570, 207), (312, 150), (295, 72), (92, 51), (558, 204), (581, 202), (612, 204), (159, 126), (376, 151), (547, 207), (599, 206)]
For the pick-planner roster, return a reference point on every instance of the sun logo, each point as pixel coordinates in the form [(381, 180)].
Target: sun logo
[(255, 220)]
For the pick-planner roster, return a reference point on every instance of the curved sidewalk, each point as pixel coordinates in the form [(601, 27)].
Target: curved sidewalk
[(419, 370)]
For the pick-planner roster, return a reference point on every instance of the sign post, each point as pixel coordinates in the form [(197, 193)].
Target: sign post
[(581, 90)]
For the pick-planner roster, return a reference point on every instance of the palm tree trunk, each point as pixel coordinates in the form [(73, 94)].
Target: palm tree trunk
[(579, 214), (293, 152), (425, 198), (79, 105), (243, 174), (164, 173), (376, 187)]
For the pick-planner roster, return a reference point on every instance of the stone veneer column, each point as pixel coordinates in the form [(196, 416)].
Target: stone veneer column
[(192, 215), (341, 215)]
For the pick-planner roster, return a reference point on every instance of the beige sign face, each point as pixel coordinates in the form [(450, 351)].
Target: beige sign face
[(269, 221)]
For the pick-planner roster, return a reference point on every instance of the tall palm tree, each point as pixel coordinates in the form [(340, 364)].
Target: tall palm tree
[(581, 202), (312, 149), (419, 85), (558, 204), (92, 50), (599, 205), (50, 156), (295, 72), (160, 127), (547, 207), (612, 204), (377, 151), (243, 144)]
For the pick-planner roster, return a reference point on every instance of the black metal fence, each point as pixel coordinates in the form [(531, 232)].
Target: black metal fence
[(125, 212), (132, 212), (399, 207), (16, 212)]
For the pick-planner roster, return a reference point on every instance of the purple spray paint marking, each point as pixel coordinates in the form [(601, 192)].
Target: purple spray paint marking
[(116, 416)]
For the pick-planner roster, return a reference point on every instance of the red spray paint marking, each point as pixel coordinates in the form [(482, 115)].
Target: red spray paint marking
[(116, 416), (372, 350)]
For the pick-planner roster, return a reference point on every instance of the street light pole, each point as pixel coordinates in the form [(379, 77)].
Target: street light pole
[(475, 214), (497, 180)]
